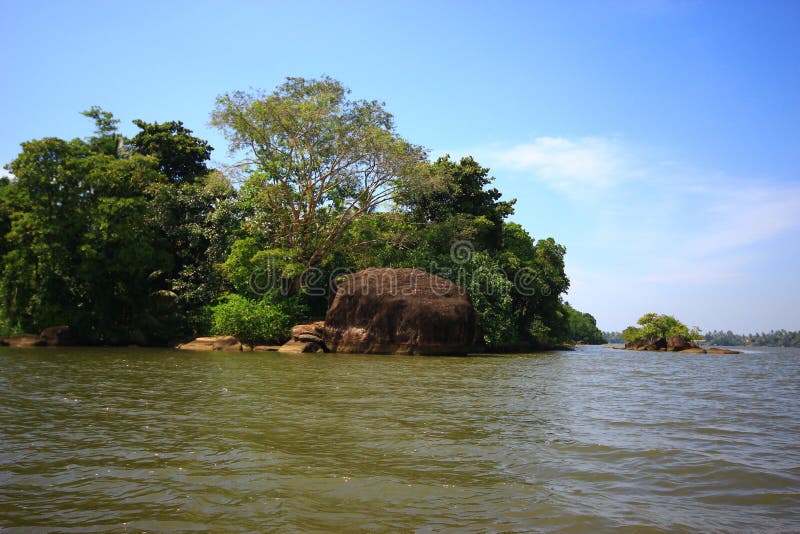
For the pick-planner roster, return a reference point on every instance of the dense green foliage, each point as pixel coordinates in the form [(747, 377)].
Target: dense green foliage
[(653, 326), (97, 236), (583, 327), (255, 321), (138, 241), (774, 338), (313, 161)]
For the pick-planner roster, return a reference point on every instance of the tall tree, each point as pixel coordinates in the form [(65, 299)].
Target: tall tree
[(193, 214), (315, 162), (181, 156), (449, 189)]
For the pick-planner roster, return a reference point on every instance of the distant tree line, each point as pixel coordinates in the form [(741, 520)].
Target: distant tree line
[(138, 240), (613, 337), (774, 338)]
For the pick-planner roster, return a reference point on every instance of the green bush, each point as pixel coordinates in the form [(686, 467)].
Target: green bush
[(255, 321), (7, 328), (653, 326)]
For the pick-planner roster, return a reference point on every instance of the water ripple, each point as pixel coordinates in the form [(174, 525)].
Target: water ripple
[(591, 440)]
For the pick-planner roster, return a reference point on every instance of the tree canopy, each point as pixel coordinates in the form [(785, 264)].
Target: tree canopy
[(138, 240), (314, 162)]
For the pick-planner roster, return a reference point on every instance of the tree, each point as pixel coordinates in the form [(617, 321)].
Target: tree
[(106, 139), (194, 215), (181, 156), (449, 189), (100, 238), (490, 291), (314, 161)]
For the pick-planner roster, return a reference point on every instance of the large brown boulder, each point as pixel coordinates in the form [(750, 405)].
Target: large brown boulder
[(399, 311)]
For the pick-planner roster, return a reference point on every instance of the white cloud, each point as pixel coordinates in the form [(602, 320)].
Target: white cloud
[(566, 164)]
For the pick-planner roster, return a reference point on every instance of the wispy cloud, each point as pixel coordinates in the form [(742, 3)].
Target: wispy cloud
[(639, 223), (741, 214), (566, 164)]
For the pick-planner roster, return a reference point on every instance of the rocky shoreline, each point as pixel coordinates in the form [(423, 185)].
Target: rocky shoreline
[(673, 344)]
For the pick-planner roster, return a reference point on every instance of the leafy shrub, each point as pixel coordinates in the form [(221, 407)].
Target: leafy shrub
[(7, 328), (653, 325), (255, 321)]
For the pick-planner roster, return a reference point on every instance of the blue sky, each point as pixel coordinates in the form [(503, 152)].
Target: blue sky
[(658, 140)]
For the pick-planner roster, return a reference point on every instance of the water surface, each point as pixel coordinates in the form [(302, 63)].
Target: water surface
[(595, 439)]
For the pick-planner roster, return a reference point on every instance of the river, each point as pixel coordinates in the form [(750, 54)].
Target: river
[(587, 440)]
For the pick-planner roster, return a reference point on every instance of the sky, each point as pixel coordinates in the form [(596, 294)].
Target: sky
[(658, 140)]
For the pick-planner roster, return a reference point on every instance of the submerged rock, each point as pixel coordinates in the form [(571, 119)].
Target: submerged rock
[(399, 311), (717, 350), (694, 350)]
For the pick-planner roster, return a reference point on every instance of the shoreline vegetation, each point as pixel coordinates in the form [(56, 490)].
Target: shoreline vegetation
[(137, 241), (773, 338)]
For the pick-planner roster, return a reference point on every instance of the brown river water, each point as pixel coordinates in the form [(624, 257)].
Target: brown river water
[(589, 440)]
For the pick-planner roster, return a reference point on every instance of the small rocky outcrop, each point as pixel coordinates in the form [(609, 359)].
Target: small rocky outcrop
[(678, 343), (53, 336), (717, 350), (297, 347), (23, 341), (658, 343), (399, 311), (265, 348), (306, 338), (221, 343), (674, 344), (59, 336)]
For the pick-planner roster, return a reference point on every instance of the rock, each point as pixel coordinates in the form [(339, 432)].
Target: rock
[(317, 328), (298, 347), (307, 333), (678, 343), (694, 350), (717, 350), (222, 343), (24, 341), (399, 311), (311, 338), (59, 336), (3, 342), (658, 343), (265, 348)]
